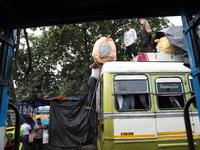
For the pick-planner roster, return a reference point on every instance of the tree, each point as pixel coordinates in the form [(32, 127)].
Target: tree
[(62, 53)]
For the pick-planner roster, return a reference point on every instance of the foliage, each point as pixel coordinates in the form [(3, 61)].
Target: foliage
[(62, 53)]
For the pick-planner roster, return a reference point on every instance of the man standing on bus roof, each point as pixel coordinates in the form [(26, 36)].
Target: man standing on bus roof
[(130, 41), (38, 134), (146, 33), (25, 136)]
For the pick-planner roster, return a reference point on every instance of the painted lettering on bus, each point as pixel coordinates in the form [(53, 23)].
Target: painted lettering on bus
[(174, 86)]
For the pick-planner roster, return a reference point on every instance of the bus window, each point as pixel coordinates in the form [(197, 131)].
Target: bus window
[(170, 93), (192, 89), (11, 117), (131, 92), (191, 85)]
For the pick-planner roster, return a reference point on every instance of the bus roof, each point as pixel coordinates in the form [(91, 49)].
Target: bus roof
[(137, 67)]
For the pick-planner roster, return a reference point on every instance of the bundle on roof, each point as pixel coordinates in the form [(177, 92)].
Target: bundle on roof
[(104, 50)]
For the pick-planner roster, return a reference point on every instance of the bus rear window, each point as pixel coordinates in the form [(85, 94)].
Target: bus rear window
[(170, 93), (131, 92)]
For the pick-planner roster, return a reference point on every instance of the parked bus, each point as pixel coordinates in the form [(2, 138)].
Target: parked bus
[(159, 90), (15, 15), (43, 113)]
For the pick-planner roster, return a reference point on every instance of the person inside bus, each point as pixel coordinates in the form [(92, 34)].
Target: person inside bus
[(127, 102)]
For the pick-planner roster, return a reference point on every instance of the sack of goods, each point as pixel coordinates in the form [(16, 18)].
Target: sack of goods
[(104, 50), (165, 46)]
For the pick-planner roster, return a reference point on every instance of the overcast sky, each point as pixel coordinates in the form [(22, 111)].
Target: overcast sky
[(176, 20)]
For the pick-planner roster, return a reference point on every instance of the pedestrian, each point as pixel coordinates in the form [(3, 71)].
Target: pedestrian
[(146, 33), (95, 72), (38, 134), (25, 136), (130, 41)]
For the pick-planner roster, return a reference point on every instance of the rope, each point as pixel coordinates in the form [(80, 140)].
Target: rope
[(89, 110)]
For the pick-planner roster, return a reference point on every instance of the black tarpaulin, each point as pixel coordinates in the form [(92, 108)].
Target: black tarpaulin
[(67, 122)]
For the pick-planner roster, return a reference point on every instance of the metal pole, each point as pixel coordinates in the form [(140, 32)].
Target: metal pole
[(188, 124), (17, 126)]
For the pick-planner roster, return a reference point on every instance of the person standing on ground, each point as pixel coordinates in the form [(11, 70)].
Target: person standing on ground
[(130, 41), (146, 33), (38, 135), (25, 136)]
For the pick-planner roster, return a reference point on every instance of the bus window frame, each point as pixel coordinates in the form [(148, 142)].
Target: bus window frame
[(190, 84), (147, 93), (170, 94), (191, 89)]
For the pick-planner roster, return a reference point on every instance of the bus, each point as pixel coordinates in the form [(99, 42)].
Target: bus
[(43, 113), (159, 89), (15, 15)]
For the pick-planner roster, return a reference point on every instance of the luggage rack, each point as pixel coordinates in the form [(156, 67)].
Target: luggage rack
[(159, 57)]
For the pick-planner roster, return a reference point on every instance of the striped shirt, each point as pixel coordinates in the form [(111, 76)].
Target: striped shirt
[(39, 133)]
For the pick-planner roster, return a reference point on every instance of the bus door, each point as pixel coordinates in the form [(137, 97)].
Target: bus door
[(170, 103), (193, 111)]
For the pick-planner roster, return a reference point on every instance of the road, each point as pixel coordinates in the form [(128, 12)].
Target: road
[(47, 147)]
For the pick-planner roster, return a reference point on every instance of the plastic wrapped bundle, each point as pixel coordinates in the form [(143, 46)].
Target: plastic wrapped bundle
[(164, 46), (104, 50)]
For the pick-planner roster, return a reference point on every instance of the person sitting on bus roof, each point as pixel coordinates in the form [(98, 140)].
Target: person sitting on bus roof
[(128, 102)]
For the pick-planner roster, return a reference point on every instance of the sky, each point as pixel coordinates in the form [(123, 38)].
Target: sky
[(176, 20)]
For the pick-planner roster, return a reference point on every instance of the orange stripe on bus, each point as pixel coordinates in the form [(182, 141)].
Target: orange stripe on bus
[(172, 132), (134, 136)]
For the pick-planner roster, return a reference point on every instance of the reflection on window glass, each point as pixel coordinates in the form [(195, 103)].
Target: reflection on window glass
[(198, 31), (169, 93), (11, 117), (131, 92), (131, 86)]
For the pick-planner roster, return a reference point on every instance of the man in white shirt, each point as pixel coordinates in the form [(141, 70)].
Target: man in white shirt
[(130, 41), (25, 136)]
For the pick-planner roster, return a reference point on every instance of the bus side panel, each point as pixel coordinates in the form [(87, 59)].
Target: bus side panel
[(144, 127), (2, 133), (108, 90), (106, 140)]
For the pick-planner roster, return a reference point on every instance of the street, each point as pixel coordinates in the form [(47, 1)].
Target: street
[(47, 147)]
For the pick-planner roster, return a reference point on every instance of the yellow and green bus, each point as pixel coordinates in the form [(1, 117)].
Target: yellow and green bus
[(159, 89)]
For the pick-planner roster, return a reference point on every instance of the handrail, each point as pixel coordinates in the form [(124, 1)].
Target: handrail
[(17, 126), (188, 124)]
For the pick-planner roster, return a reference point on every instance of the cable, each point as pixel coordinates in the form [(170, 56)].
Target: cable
[(17, 53)]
